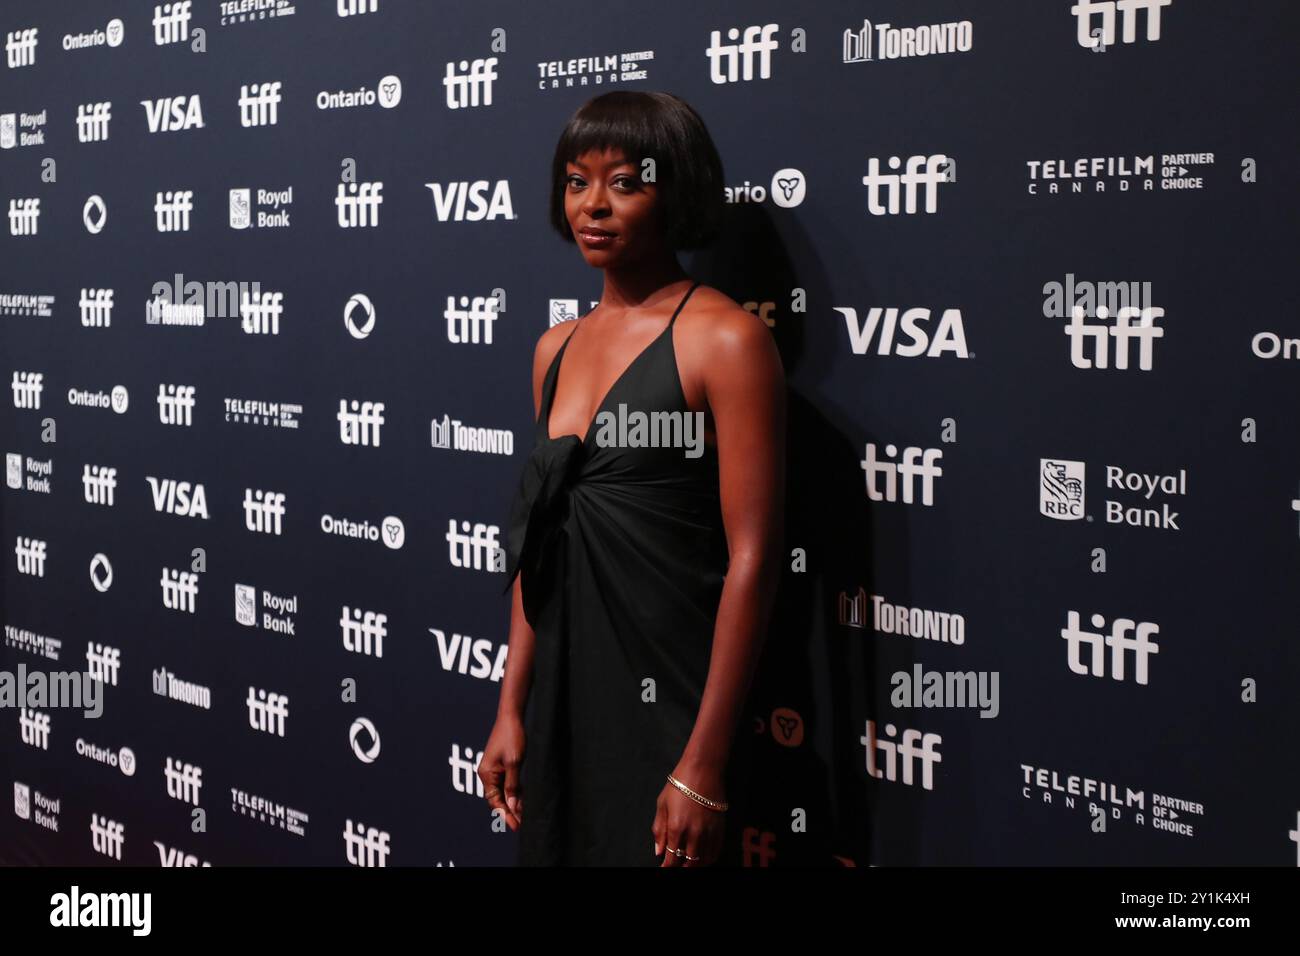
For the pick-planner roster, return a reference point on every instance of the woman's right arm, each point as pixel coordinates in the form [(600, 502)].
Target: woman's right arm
[(504, 752)]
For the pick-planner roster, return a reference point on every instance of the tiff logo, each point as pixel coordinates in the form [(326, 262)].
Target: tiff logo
[(20, 47), (263, 510), (27, 389), (366, 846), (184, 781), (179, 589), (171, 22), (904, 752), (173, 210), (937, 170), (471, 320), (176, 404), (1123, 332), (464, 776), (92, 121), (261, 311), (107, 836), (96, 308), (267, 711), (103, 662), (359, 424), (363, 631), (1091, 39), (474, 549), (24, 216), (34, 728), (348, 8), (31, 556), (733, 61), (259, 104), (98, 482), (473, 88), (358, 204), (906, 472), (1125, 635)]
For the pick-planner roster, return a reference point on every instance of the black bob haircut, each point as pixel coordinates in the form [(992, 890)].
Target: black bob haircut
[(660, 126)]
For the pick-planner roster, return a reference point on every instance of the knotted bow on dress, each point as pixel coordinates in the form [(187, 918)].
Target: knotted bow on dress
[(536, 518)]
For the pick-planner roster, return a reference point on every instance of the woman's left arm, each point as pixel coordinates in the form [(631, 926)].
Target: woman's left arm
[(744, 384)]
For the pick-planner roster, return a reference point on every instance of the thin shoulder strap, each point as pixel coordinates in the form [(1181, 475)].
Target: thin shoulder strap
[(683, 302)]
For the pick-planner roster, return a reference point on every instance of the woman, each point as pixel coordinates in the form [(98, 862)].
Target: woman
[(645, 575)]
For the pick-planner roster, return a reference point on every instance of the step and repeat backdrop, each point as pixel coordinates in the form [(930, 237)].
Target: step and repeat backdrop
[(271, 276)]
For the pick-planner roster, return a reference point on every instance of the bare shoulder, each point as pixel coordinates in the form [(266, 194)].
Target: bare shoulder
[(719, 330), (549, 342)]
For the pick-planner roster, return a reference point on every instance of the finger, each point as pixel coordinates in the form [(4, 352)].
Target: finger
[(672, 838), (657, 829), (513, 789), (491, 778), (692, 848)]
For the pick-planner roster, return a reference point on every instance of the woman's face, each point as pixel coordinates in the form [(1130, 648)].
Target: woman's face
[(613, 214)]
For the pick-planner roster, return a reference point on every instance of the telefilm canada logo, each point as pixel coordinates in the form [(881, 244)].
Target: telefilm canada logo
[(1105, 801)]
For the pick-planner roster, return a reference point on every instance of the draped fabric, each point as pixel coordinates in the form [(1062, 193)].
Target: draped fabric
[(621, 554)]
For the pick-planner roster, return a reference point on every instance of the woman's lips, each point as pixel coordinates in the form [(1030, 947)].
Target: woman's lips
[(596, 238)]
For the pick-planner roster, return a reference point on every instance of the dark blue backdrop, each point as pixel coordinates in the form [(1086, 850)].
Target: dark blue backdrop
[(1037, 127)]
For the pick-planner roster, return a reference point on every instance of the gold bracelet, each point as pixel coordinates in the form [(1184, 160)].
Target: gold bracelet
[(698, 798)]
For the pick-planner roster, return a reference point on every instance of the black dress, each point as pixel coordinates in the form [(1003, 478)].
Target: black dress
[(621, 554)]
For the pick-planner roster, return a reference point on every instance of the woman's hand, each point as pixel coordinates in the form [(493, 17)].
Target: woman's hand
[(684, 824), (499, 769)]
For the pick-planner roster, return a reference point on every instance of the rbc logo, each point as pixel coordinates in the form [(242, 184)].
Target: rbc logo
[(1061, 488)]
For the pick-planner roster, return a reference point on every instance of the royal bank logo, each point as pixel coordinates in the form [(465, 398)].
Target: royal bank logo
[(271, 212), (22, 129), (1061, 488), (28, 473), (279, 612)]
